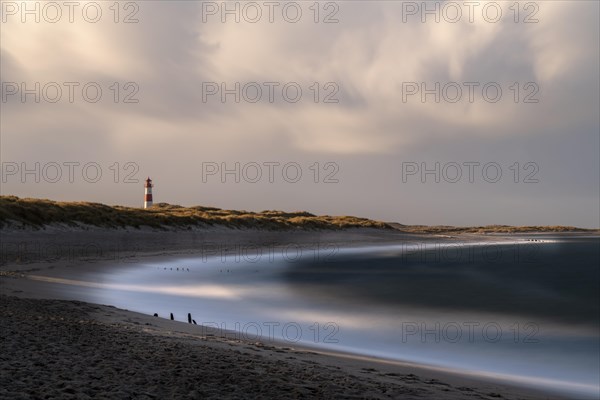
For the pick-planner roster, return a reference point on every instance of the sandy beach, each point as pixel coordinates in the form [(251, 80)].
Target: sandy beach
[(54, 347)]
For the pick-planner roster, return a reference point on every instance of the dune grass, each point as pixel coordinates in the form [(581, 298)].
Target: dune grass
[(38, 213), (500, 229)]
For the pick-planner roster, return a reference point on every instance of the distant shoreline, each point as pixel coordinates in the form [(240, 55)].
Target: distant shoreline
[(23, 246)]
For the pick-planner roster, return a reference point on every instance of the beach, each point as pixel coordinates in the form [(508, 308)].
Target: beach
[(68, 349), (54, 346)]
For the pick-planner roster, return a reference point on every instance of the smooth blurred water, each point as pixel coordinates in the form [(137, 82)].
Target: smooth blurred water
[(522, 311)]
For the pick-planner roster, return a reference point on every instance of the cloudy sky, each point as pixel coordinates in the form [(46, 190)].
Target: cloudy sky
[(461, 114)]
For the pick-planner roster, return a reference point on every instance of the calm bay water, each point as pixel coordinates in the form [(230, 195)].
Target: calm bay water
[(523, 311)]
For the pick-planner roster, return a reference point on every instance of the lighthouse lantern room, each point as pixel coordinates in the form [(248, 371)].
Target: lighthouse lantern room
[(148, 193)]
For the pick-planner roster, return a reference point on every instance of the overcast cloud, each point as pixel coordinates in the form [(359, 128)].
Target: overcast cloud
[(369, 58)]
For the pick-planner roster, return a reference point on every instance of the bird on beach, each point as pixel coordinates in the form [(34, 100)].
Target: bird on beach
[(155, 314), (172, 317)]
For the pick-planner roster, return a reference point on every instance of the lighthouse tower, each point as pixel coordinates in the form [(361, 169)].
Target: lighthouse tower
[(148, 193)]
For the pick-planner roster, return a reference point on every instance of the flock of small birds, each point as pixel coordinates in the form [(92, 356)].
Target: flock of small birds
[(176, 269), (185, 269)]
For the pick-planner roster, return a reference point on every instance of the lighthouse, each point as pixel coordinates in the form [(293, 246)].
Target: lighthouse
[(148, 193)]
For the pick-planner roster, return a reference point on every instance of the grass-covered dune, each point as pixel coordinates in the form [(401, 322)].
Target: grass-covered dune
[(38, 213), (500, 229)]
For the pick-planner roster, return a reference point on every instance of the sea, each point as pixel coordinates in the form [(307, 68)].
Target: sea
[(524, 310)]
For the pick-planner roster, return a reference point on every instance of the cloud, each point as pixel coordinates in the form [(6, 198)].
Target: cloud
[(367, 56)]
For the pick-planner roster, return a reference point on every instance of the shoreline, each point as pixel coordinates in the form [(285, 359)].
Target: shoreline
[(460, 385), (364, 377), (58, 244)]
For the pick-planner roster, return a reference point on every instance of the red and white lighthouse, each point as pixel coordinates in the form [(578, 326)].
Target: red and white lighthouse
[(148, 193)]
